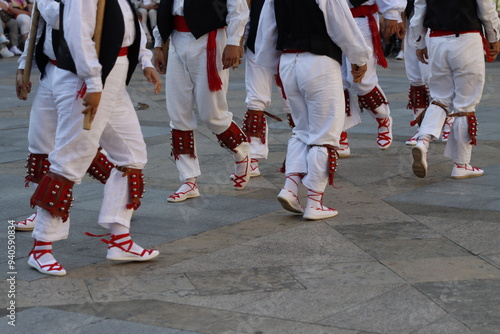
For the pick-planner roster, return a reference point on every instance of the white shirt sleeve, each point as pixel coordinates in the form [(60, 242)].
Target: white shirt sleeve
[(49, 10), (391, 9), (145, 55), (237, 18), (78, 34), (417, 30), (344, 31), (267, 36), (486, 11)]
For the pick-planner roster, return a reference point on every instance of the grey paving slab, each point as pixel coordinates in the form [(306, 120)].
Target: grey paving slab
[(470, 301), (401, 310)]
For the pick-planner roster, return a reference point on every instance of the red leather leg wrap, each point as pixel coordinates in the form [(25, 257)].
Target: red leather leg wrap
[(472, 129), (347, 103), (37, 166), (54, 194), (332, 162), (232, 137), (418, 97), (254, 125), (372, 100), (136, 185), (290, 120), (182, 142), (101, 167)]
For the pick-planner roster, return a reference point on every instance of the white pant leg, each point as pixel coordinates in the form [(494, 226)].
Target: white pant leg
[(466, 60), (417, 72), (433, 121), (212, 106), (259, 86), (48, 228), (43, 117), (24, 22), (123, 140), (144, 20), (152, 18), (296, 156), (187, 166), (370, 79), (317, 169)]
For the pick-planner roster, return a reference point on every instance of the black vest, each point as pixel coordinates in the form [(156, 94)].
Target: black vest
[(301, 26), (113, 31), (357, 3), (255, 9), (452, 15), (202, 16), (410, 6)]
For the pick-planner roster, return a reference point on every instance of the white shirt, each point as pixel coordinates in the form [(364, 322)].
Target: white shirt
[(78, 34), (236, 19), (49, 20), (340, 26), (486, 12)]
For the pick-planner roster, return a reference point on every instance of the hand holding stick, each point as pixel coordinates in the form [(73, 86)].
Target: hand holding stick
[(30, 52), (97, 40)]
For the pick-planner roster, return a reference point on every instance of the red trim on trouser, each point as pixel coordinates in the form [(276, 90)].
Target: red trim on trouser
[(254, 125), (369, 11), (232, 137), (101, 167), (54, 194), (182, 142), (418, 97), (37, 166), (214, 80), (372, 100), (136, 185), (347, 100)]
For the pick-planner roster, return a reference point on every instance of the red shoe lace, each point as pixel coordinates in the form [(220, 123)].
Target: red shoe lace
[(192, 186), (112, 243), (343, 139), (25, 222), (472, 168), (320, 201), (384, 136), (290, 177), (239, 180), (38, 253), (252, 162)]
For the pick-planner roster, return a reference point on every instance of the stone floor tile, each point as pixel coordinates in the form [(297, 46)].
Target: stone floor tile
[(52, 291), (446, 325), (313, 305), (443, 269), (380, 231), (125, 288), (475, 302), (47, 320), (405, 249), (238, 281), (325, 276), (398, 311)]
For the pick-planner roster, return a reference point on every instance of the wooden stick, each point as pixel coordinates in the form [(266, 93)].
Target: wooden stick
[(97, 40), (31, 48)]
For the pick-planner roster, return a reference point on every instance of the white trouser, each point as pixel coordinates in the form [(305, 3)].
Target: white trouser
[(117, 127), (145, 15), (43, 116), (456, 80), (259, 89), (355, 113), (416, 71), (370, 79), (187, 85), (313, 85), (24, 22)]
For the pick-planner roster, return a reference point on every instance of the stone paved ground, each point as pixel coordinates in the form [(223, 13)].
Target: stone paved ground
[(405, 255)]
